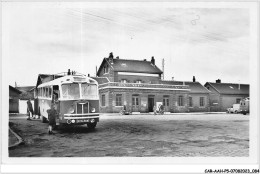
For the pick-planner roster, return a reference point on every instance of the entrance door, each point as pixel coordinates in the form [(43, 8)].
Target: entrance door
[(135, 103), (150, 104), (166, 104)]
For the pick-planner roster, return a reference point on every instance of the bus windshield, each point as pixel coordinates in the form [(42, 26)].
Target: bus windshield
[(70, 91), (89, 91)]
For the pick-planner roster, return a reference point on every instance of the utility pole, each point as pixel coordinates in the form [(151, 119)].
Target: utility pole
[(163, 69)]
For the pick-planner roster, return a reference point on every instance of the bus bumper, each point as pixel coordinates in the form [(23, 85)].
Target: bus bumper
[(79, 118)]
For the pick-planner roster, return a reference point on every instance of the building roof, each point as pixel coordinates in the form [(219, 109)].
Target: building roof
[(137, 66), (25, 88), (195, 87), (101, 80), (46, 77), (14, 89), (230, 88)]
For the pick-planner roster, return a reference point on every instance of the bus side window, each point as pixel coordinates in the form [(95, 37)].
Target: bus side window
[(56, 93), (50, 92)]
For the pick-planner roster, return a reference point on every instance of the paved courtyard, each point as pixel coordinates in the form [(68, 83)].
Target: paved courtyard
[(194, 135)]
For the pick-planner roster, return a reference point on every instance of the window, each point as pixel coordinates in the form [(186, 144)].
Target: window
[(166, 101), (106, 69), (89, 91), (238, 100), (118, 99), (123, 81), (202, 103), (135, 101), (190, 102), (138, 81), (44, 91), (180, 100), (39, 91), (50, 91), (47, 92), (103, 100), (70, 91)]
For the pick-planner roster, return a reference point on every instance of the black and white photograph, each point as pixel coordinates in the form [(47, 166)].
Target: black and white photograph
[(130, 83)]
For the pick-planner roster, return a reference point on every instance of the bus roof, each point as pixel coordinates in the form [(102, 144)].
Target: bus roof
[(69, 79)]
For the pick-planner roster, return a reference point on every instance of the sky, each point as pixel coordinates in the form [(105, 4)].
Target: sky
[(208, 43)]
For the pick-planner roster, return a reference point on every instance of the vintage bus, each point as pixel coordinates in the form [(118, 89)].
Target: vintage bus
[(76, 98)]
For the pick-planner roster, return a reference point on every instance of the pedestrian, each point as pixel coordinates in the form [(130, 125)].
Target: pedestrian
[(52, 114), (154, 109), (161, 109), (29, 109)]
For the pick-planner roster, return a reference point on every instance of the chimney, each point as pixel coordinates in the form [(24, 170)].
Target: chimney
[(153, 61), (194, 79), (117, 57), (218, 81), (69, 72), (110, 58), (172, 78), (111, 55)]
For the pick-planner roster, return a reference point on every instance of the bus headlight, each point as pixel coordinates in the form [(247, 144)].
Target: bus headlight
[(93, 110), (71, 110)]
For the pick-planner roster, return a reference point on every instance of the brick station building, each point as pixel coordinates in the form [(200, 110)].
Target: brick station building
[(138, 85)]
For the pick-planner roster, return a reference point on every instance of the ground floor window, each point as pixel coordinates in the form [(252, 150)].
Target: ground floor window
[(238, 100), (190, 102), (166, 101), (118, 99), (103, 100), (180, 100), (202, 102), (135, 101)]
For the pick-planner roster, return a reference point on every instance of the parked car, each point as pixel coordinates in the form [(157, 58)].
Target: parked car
[(244, 106), (234, 109)]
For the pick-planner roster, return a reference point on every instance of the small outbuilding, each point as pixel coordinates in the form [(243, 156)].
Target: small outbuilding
[(224, 95), (14, 99)]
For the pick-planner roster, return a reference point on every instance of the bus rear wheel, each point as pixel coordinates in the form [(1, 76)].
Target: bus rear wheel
[(43, 119), (92, 125)]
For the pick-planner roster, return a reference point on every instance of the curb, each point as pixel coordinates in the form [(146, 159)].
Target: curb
[(20, 140), (151, 113)]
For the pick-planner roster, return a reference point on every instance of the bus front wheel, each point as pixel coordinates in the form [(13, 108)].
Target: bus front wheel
[(92, 125)]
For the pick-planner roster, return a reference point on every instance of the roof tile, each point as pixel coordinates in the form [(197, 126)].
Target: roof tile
[(230, 88), (195, 87), (138, 66)]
